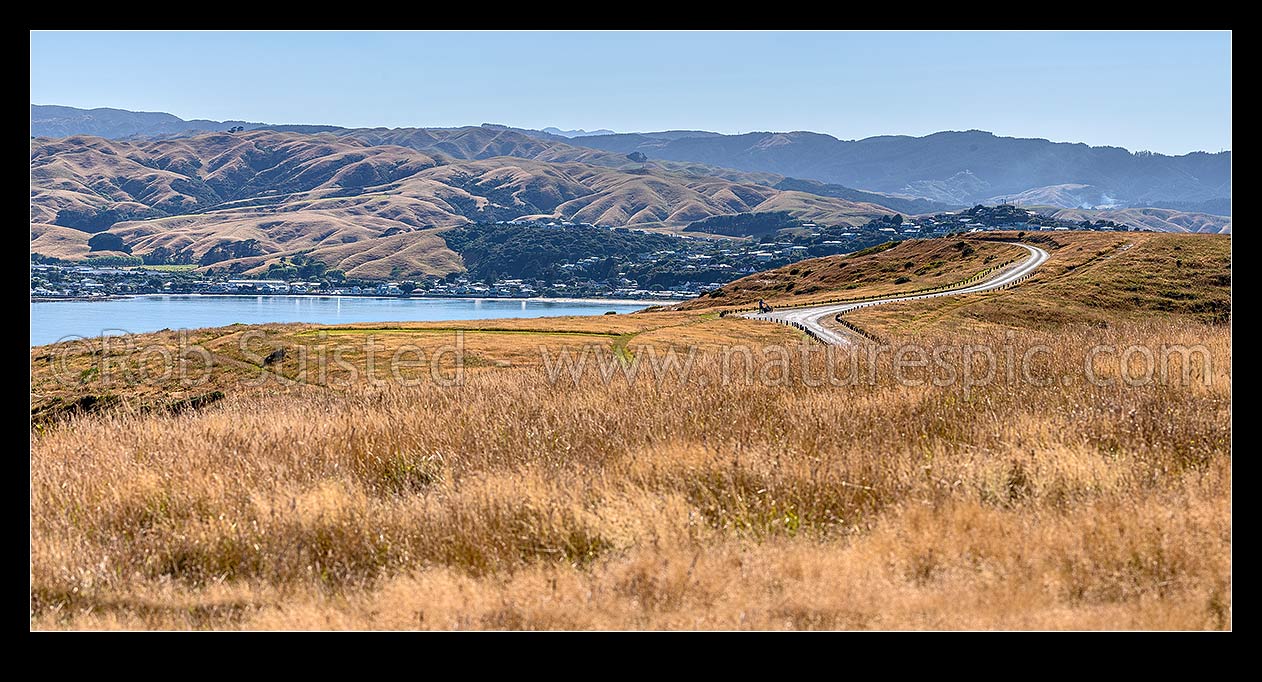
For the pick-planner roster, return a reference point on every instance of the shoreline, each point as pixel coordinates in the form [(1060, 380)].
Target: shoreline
[(461, 308), (81, 299), (536, 299)]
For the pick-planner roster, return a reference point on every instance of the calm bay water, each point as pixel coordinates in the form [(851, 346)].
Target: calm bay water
[(51, 321)]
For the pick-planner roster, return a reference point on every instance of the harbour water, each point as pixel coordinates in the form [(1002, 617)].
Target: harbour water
[(57, 320)]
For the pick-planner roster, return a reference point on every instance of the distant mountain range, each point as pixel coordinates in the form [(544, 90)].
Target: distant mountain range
[(953, 167), (947, 168), (577, 133), (56, 121)]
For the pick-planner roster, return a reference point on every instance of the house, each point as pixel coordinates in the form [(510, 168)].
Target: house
[(270, 286)]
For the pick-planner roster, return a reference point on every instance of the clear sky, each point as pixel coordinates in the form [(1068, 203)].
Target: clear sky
[(1163, 91)]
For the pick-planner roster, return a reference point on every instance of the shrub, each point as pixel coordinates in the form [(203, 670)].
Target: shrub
[(107, 241)]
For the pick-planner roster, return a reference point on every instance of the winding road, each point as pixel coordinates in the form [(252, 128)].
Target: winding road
[(812, 318)]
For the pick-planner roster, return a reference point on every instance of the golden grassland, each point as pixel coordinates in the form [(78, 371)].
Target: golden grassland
[(730, 495), (143, 371), (1092, 278), (888, 269), (513, 502)]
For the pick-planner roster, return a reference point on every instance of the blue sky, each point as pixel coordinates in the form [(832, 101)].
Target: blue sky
[(1163, 91)]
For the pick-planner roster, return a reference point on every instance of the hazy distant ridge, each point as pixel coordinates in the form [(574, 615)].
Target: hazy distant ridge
[(58, 121), (953, 167), (930, 172)]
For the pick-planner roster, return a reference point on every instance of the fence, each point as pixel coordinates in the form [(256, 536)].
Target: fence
[(845, 323), (802, 328), (857, 329), (1016, 281)]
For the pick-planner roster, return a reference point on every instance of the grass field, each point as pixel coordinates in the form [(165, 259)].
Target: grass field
[(721, 490)]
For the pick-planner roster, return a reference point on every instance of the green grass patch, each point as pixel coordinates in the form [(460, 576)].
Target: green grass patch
[(621, 349), (448, 330)]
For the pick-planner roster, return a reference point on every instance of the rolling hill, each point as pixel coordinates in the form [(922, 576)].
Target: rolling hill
[(355, 199), (953, 167), (1100, 279), (374, 201), (1157, 219), (887, 269), (949, 168), (1093, 278)]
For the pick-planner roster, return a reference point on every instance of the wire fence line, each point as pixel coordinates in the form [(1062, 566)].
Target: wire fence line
[(865, 301), (815, 335), (857, 329), (802, 328), (878, 340)]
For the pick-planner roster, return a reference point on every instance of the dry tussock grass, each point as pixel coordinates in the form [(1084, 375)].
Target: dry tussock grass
[(1095, 278), (513, 502), (910, 265)]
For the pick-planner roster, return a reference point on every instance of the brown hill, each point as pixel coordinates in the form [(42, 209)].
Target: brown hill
[(487, 141), (252, 197), (58, 241), (1160, 219), (906, 266), (1102, 279), (1093, 277)]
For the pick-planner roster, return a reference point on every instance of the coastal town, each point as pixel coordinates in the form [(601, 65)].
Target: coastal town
[(80, 282), (588, 263)]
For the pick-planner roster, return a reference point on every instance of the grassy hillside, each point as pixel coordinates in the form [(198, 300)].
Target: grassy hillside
[(891, 268), (1091, 278), (290, 192), (902, 204), (485, 142), (1160, 219), (402, 255), (58, 241)]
